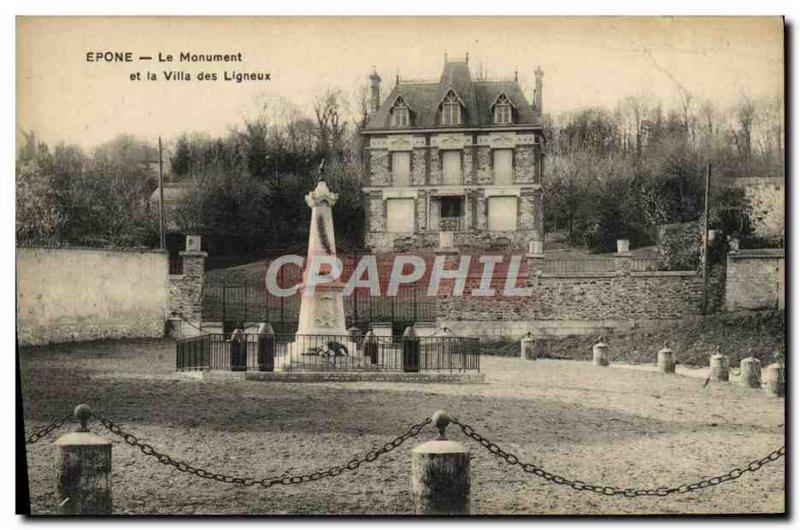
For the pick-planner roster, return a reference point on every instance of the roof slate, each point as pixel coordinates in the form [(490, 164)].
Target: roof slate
[(477, 95)]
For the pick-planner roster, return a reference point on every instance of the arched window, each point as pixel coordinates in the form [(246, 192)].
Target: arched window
[(451, 110), (502, 111), (401, 116)]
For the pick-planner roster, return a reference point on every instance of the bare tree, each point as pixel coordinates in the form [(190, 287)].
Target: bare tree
[(742, 136), (330, 110)]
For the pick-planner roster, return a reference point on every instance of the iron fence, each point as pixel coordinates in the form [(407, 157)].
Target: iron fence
[(451, 224), (253, 303), (320, 353)]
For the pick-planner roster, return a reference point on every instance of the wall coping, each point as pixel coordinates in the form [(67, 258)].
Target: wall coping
[(577, 274), (765, 253), (96, 249), (663, 273)]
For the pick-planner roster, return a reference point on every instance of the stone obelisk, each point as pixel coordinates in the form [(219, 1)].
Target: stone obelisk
[(321, 310)]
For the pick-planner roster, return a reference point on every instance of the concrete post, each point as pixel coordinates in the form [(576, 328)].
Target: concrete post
[(440, 474), (719, 366), (83, 470), (526, 348), (751, 371), (666, 361), (772, 378), (600, 353)]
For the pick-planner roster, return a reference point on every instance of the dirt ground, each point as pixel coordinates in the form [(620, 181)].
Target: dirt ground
[(619, 426)]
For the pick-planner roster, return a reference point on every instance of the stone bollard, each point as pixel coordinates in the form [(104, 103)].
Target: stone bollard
[(774, 386), (266, 348), (371, 347), (410, 345), (354, 334), (600, 353), (440, 476), (719, 367), (526, 348), (666, 361), (751, 371), (83, 470)]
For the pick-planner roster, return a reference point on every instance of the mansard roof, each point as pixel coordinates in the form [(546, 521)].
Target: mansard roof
[(477, 96)]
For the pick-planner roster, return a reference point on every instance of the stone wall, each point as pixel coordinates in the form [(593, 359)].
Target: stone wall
[(485, 175), (755, 279), (525, 162), (418, 166), (576, 303), (70, 294), (186, 290), (379, 168)]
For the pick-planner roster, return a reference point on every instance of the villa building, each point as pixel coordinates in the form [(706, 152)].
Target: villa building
[(456, 162)]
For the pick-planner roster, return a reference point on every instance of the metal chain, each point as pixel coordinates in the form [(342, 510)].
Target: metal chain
[(44, 431), (268, 482), (579, 485)]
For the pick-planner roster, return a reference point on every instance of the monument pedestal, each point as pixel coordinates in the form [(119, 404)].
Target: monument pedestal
[(322, 312)]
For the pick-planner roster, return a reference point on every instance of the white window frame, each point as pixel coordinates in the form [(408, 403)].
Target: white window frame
[(401, 115), (449, 154), (396, 175), (396, 201), (495, 166), (498, 200), (502, 111), (451, 110)]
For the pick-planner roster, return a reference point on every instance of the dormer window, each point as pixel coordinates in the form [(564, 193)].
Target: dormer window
[(451, 110), (401, 115), (502, 111)]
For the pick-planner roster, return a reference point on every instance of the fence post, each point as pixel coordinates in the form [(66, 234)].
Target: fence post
[(440, 474), (600, 353), (83, 470), (666, 361), (750, 371), (526, 348), (719, 366)]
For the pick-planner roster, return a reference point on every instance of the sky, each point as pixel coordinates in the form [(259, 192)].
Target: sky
[(586, 62)]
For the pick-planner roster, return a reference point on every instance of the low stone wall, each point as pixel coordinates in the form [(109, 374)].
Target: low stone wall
[(336, 377), (582, 303), (756, 280), (72, 294)]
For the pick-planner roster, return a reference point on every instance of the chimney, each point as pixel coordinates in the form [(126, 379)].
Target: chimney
[(537, 94), (375, 94)]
